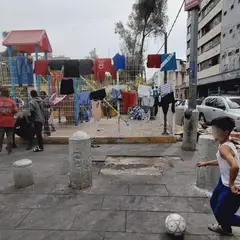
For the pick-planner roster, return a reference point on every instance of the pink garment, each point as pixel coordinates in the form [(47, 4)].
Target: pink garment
[(96, 110)]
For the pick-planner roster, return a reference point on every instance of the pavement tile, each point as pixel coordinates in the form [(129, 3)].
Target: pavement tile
[(40, 186), (73, 235), (197, 223), (130, 203), (10, 219), (108, 188), (147, 222), (22, 235), (31, 200), (130, 236), (49, 219), (184, 190), (148, 190), (200, 205), (168, 204), (98, 220), (85, 202)]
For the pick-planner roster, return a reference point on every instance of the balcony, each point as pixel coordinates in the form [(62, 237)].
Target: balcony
[(209, 54), (209, 72)]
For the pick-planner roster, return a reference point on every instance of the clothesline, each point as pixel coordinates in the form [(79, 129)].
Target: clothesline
[(105, 101)]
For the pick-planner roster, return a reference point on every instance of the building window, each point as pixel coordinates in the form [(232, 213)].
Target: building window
[(230, 31), (224, 35), (225, 13), (208, 8), (223, 56), (212, 24), (232, 7), (210, 62), (188, 44), (211, 44), (237, 50), (230, 54), (238, 26)]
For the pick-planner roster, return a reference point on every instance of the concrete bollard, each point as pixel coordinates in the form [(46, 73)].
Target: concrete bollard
[(207, 177), (23, 174), (80, 162)]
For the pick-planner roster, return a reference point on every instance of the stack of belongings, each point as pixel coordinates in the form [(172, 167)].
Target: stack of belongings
[(137, 113)]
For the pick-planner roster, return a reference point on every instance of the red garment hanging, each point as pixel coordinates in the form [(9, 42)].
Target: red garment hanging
[(41, 67), (101, 66), (154, 61), (129, 100), (55, 77)]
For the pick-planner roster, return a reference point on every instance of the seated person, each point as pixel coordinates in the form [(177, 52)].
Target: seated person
[(24, 128)]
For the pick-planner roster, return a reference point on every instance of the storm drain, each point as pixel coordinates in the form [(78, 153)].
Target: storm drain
[(137, 165)]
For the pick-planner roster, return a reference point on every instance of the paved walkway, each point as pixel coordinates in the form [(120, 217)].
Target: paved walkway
[(114, 208)]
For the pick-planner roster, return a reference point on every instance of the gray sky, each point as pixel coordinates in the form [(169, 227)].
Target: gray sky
[(74, 27)]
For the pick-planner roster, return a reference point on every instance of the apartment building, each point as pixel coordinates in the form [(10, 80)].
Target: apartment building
[(209, 38), (218, 46)]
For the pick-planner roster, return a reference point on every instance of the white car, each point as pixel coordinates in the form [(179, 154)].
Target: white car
[(219, 106), (180, 109)]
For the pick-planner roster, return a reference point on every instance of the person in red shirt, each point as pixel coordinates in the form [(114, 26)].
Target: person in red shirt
[(7, 110)]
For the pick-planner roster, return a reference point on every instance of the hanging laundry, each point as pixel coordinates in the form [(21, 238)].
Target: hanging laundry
[(166, 101), (116, 94), (101, 66), (41, 67), (119, 62), (129, 100), (86, 67), (168, 62), (144, 91), (84, 98), (56, 65), (96, 110), (113, 73), (164, 90), (22, 71), (154, 61), (66, 87), (71, 68), (147, 101), (98, 95), (56, 76)]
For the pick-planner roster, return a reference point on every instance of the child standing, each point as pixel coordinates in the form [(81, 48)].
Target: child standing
[(225, 200)]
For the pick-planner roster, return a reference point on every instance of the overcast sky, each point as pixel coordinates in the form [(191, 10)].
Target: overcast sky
[(74, 27)]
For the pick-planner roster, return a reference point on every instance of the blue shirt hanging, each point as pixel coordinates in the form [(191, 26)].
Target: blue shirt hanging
[(168, 62), (119, 62), (22, 71)]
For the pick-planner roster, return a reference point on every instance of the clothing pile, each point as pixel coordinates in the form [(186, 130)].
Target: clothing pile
[(137, 113)]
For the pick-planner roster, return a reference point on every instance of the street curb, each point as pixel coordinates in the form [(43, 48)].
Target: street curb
[(110, 140)]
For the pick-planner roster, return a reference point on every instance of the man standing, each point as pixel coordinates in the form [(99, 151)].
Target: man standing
[(36, 106), (7, 110)]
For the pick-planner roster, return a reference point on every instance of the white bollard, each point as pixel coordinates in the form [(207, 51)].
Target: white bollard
[(207, 177), (80, 162), (23, 174)]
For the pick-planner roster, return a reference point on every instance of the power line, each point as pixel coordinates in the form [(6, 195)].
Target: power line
[(179, 11)]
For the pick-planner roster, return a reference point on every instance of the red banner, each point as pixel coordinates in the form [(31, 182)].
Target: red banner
[(190, 4)]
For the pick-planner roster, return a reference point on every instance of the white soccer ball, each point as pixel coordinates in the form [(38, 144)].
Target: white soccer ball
[(175, 224)]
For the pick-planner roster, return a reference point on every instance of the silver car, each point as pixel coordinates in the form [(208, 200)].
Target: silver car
[(180, 109), (218, 106)]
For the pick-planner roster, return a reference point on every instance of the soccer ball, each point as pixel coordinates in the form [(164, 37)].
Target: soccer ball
[(175, 224)]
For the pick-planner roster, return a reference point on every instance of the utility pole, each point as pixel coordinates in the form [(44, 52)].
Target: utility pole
[(191, 115), (165, 81)]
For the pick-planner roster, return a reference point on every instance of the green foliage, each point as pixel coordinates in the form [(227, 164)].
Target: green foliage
[(148, 19)]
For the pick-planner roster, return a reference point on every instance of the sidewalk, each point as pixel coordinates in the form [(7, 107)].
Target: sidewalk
[(116, 207)]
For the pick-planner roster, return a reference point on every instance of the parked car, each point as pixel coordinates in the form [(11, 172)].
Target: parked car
[(218, 106), (180, 109)]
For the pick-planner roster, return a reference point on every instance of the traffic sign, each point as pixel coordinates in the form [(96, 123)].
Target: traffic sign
[(190, 4)]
